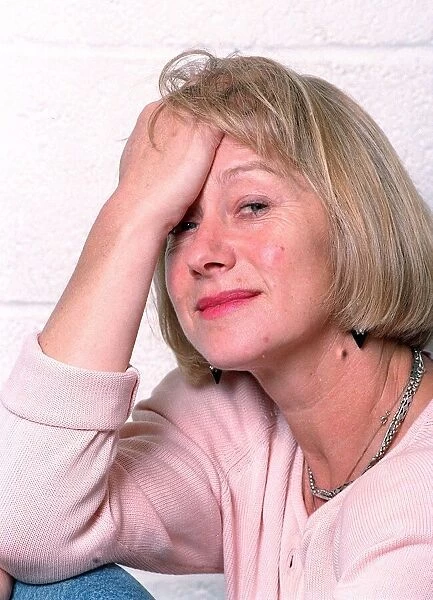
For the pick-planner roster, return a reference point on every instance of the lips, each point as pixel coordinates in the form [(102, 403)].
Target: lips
[(224, 298)]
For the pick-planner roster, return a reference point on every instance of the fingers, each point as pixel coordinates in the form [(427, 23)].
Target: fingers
[(210, 134), (167, 159), (166, 123)]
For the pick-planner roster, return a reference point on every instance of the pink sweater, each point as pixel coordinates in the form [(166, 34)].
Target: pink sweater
[(204, 480)]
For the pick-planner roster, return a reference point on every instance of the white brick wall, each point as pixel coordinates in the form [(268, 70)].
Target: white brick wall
[(74, 76)]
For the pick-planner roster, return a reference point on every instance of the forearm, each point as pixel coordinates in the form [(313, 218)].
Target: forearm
[(58, 441), (96, 321), (72, 497)]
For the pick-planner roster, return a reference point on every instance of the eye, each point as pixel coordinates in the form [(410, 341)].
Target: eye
[(256, 207), (182, 227)]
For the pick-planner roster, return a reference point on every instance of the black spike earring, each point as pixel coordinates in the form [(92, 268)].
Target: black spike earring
[(359, 335), (216, 373)]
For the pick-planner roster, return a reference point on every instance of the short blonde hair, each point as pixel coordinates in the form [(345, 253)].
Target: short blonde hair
[(381, 240)]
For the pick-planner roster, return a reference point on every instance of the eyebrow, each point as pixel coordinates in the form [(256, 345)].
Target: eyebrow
[(255, 165)]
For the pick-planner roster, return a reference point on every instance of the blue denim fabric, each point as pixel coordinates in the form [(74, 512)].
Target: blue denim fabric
[(109, 582)]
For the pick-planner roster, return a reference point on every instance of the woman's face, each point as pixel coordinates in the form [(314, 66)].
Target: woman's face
[(247, 268)]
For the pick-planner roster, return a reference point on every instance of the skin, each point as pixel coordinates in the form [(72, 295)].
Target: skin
[(252, 229), (284, 336), (95, 323)]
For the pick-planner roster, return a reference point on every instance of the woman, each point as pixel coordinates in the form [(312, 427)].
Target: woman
[(294, 268)]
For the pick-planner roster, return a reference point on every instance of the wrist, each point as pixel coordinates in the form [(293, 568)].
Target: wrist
[(142, 221)]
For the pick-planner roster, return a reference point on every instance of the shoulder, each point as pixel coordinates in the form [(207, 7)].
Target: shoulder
[(393, 502)]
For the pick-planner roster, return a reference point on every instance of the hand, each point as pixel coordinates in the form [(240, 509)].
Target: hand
[(168, 174), (5, 585)]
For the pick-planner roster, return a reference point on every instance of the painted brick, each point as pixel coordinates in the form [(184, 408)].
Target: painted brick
[(75, 75), (193, 587), (165, 23)]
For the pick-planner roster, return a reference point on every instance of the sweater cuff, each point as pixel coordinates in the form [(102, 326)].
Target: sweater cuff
[(46, 391)]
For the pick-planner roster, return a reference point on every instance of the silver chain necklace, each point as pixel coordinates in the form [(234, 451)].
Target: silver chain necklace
[(415, 377)]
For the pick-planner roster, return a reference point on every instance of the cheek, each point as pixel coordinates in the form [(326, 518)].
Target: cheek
[(174, 281), (272, 255)]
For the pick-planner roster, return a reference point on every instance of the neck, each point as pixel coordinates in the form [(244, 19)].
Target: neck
[(334, 399)]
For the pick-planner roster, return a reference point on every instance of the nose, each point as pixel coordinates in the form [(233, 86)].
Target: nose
[(210, 251)]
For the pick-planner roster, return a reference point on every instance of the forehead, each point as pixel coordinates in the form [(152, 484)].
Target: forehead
[(232, 159), (230, 147)]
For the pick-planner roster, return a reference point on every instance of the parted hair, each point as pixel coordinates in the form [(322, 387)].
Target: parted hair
[(381, 230)]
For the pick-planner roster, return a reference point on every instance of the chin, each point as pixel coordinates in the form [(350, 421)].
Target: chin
[(234, 359), (233, 348)]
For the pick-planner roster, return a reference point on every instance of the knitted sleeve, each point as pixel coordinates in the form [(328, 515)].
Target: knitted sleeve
[(79, 488)]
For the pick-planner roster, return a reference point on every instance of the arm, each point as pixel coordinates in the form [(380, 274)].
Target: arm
[(61, 411), (96, 321), (75, 496)]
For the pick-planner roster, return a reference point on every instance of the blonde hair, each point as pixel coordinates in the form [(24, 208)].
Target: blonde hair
[(380, 228)]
